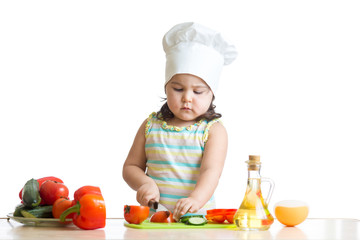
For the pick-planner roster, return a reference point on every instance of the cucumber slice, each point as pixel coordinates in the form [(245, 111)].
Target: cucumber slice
[(185, 218), (196, 221)]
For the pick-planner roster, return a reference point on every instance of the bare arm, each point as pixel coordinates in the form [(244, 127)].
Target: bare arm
[(134, 170), (210, 171)]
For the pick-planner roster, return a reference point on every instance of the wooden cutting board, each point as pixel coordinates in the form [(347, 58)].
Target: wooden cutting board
[(148, 225)]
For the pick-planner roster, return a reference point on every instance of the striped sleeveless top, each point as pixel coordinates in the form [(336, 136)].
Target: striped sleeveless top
[(174, 157)]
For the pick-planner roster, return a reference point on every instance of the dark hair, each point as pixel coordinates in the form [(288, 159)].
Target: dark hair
[(166, 114)]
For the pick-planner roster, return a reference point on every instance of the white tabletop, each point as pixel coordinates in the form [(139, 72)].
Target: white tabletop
[(346, 229)]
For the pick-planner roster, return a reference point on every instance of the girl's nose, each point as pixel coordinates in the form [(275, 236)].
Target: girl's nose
[(187, 97)]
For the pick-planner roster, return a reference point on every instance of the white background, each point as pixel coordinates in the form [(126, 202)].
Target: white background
[(77, 78)]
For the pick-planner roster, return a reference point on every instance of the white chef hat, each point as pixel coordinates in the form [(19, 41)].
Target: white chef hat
[(195, 49)]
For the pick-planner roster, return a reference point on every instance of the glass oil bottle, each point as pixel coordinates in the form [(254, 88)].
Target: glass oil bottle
[(253, 213)]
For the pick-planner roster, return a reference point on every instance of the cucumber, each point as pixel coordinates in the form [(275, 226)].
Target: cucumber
[(193, 219), (196, 221), (37, 212), (185, 218), (26, 214), (31, 193), (17, 212)]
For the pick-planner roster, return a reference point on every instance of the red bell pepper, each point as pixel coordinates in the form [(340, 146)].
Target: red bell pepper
[(86, 190), (220, 215), (89, 208)]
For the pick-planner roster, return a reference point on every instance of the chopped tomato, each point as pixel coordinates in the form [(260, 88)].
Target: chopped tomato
[(162, 217)]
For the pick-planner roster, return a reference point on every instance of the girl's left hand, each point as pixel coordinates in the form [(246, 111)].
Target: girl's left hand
[(184, 206)]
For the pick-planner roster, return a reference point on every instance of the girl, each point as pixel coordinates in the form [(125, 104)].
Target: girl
[(178, 153)]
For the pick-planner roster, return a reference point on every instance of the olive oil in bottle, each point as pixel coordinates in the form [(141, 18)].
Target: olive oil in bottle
[(253, 213)]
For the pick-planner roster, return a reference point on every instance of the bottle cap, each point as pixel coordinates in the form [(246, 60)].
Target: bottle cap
[(254, 158), (254, 162)]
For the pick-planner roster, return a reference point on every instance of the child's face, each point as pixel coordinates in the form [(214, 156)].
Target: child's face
[(188, 96)]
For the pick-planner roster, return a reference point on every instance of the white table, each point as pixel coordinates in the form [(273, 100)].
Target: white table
[(347, 229)]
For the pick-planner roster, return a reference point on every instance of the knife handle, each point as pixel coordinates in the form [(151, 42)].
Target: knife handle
[(153, 204)]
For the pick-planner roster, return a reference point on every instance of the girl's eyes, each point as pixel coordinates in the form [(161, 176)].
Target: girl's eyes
[(180, 90)]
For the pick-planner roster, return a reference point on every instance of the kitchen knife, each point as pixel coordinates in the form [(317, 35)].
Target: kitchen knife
[(153, 204)]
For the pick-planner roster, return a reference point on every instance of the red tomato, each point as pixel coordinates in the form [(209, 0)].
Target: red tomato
[(162, 217), (60, 205), (136, 214), (50, 191)]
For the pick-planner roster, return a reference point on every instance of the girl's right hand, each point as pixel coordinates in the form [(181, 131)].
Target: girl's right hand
[(146, 192)]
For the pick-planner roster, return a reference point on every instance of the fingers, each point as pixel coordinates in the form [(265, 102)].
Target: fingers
[(140, 197), (180, 209), (184, 206), (144, 198), (144, 195)]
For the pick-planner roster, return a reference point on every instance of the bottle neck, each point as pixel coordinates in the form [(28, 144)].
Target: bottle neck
[(254, 173), (253, 181)]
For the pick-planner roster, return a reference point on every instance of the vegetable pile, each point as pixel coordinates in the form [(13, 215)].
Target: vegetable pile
[(137, 214), (48, 197)]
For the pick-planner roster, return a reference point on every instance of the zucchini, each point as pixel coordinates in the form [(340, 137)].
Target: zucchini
[(37, 212), (196, 221), (31, 193)]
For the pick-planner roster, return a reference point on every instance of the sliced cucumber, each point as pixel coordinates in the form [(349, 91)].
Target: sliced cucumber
[(186, 217), (196, 221)]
